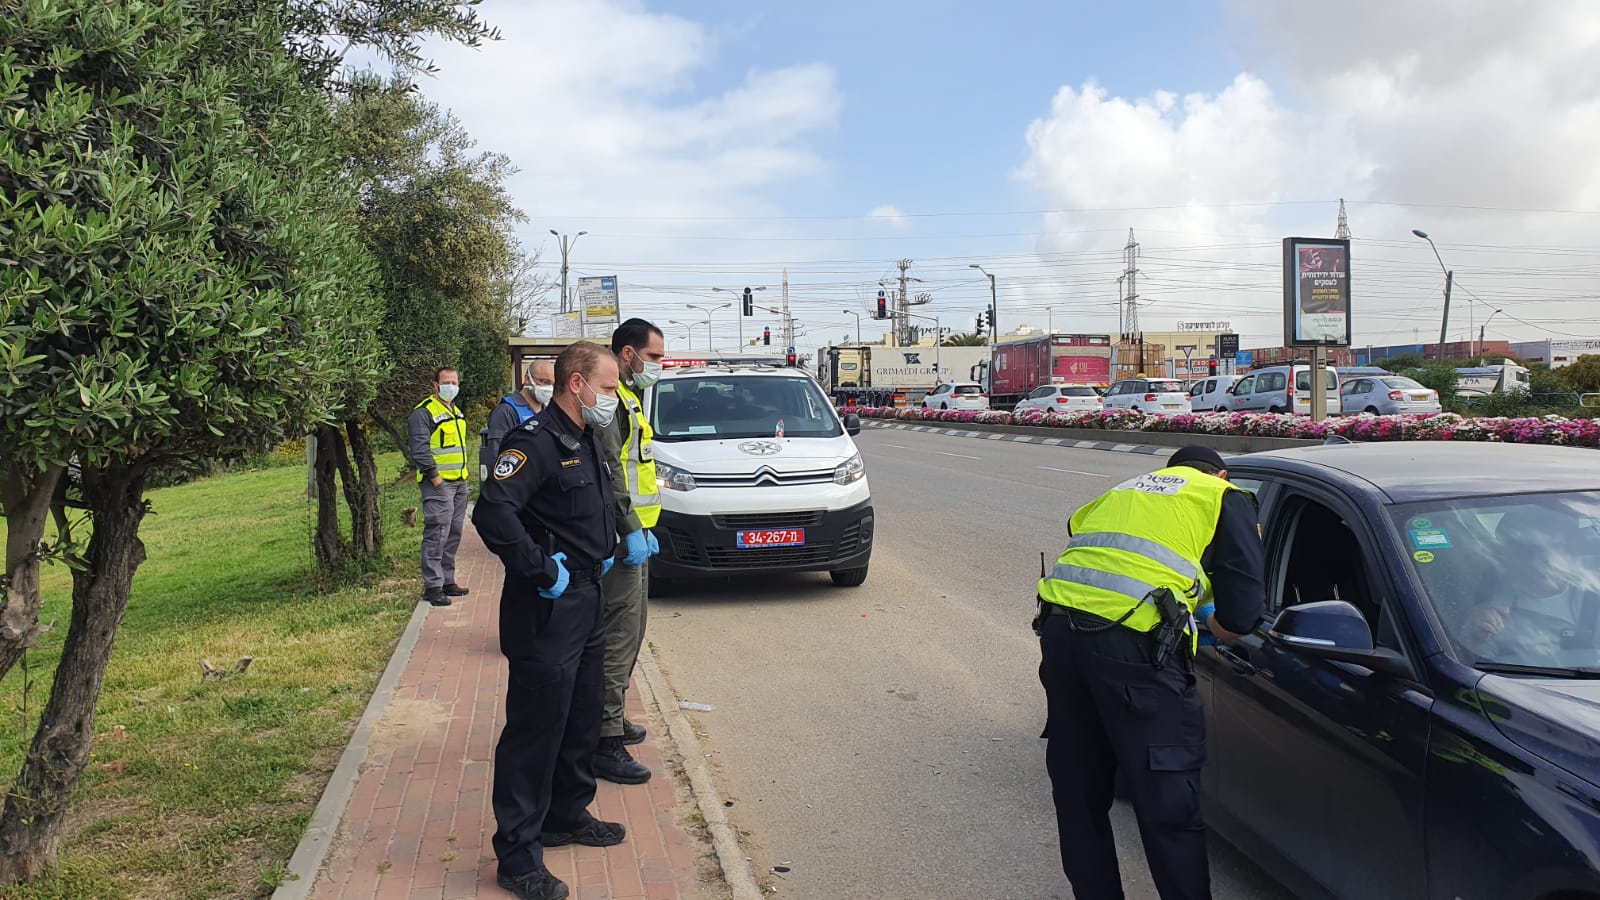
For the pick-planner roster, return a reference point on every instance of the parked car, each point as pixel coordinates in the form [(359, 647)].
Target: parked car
[(758, 473), (1063, 398), (1268, 390), (1211, 394), (1387, 395), (1417, 717), (957, 395), (1151, 395)]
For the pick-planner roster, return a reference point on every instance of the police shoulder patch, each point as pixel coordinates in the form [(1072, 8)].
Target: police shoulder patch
[(508, 463)]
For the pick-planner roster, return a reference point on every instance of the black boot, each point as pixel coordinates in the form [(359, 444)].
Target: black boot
[(536, 885), (435, 596), (455, 590), (613, 763), (633, 734), (593, 833)]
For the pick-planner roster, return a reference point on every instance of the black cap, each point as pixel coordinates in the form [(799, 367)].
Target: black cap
[(1194, 453)]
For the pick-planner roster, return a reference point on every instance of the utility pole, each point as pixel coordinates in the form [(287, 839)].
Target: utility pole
[(901, 308), (788, 323), (566, 247), (1130, 272), (1343, 231)]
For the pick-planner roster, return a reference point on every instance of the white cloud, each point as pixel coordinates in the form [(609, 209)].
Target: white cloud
[(889, 213), (1474, 105)]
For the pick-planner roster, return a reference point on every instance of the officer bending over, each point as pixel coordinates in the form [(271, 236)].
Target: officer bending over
[(546, 511), (1117, 636)]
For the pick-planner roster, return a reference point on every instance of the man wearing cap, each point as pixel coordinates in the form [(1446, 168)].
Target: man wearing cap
[(1144, 561)]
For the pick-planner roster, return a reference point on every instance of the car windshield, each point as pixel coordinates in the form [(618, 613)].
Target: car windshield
[(1078, 392), (1398, 382), (971, 389), (713, 407), (1165, 387), (1514, 580)]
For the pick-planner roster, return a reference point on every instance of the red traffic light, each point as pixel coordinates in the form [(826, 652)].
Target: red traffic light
[(766, 335), (883, 308), (791, 359)]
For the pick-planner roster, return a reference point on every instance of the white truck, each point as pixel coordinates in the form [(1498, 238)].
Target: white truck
[(1501, 378)]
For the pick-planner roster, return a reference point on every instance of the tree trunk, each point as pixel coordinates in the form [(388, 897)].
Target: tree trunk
[(27, 495), (330, 446), (31, 825), (400, 440), (366, 520)]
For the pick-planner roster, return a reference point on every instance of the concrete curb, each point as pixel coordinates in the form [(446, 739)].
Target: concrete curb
[(314, 845), (656, 692), (1148, 442)]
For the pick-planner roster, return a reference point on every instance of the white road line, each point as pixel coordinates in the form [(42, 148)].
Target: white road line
[(957, 455), (898, 446), (1073, 472)]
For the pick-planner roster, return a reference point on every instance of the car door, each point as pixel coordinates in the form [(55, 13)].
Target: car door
[(1240, 393), (1039, 399), (1113, 397), (932, 400), (1321, 763), (1359, 397)]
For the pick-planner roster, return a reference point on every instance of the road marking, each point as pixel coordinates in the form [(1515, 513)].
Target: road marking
[(957, 455), (898, 446), (1073, 472)]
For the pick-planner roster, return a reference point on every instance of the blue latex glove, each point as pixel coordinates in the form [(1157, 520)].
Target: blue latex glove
[(605, 567), (638, 548), (562, 577), (1203, 613), (655, 547)]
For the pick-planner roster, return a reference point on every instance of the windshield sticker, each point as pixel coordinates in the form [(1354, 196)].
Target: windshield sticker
[(1430, 539), (1421, 523), (1423, 556)]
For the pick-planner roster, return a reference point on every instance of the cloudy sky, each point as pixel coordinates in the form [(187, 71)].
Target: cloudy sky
[(714, 144)]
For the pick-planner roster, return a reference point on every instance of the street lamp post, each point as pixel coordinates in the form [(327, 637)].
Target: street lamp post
[(708, 310), (1449, 279), (1485, 326), (994, 317), (938, 341), (566, 247), (858, 325), (740, 293)]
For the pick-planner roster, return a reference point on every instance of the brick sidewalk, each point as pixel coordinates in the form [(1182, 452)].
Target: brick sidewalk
[(419, 821)]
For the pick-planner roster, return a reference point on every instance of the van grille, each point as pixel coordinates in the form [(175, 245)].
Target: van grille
[(747, 521)]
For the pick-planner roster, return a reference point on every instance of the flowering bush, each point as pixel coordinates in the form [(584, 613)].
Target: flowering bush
[(1550, 429)]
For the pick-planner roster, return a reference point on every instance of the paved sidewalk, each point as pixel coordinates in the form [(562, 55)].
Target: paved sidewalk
[(419, 820)]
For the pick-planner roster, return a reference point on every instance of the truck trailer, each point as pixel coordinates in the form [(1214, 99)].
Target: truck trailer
[(1017, 367)]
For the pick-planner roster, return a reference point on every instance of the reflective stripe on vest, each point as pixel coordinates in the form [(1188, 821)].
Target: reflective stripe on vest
[(639, 461), (1146, 533), (448, 442)]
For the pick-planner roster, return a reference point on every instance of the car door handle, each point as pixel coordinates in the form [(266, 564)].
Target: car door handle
[(1239, 663)]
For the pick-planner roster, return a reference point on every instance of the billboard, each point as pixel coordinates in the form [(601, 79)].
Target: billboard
[(1316, 292)]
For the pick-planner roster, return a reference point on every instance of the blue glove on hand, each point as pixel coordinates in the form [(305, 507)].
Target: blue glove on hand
[(654, 546), (638, 548), (1203, 613), (562, 577), (605, 567)]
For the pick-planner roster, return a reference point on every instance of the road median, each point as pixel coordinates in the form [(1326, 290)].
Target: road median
[(1104, 439)]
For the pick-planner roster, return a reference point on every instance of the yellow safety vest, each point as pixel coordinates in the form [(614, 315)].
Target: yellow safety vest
[(639, 461), (1146, 533), (448, 441)]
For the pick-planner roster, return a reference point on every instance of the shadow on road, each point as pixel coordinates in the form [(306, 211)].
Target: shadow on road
[(777, 588)]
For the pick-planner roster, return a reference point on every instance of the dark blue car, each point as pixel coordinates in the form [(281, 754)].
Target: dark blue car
[(1420, 714)]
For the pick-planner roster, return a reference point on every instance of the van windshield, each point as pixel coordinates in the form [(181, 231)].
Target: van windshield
[(716, 406)]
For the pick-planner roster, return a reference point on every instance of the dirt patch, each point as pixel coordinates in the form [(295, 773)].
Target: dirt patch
[(405, 722)]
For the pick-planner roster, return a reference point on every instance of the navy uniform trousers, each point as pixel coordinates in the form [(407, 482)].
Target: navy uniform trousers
[(1110, 709), (543, 781)]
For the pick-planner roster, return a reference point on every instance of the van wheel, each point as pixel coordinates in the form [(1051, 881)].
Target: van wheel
[(849, 577), (1222, 409), (1276, 409)]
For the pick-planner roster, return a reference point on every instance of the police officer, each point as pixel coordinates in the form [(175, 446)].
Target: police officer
[(1117, 633), (639, 347), (438, 434), (547, 512), (521, 405)]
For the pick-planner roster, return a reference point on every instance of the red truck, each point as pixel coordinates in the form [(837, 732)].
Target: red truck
[(1017, 367)]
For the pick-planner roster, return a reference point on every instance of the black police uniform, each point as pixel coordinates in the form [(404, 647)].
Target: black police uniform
[(1110, 707), (549, 492)]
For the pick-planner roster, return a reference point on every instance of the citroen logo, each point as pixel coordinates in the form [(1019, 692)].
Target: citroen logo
[(765, 475), (761, 448)]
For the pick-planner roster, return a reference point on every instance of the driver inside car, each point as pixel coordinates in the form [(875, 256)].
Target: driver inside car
[(1536, 616)]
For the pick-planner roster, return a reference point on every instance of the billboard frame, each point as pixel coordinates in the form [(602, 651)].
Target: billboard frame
[(1292, 308)]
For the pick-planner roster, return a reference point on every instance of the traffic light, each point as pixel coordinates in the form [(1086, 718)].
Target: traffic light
[(791, 359), (978, 328), (749, 303), (883, 307), (1211, 367), (766, 336), (989, 314)]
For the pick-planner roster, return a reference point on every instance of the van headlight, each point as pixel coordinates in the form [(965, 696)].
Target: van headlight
[(670, 478), (851, 470)]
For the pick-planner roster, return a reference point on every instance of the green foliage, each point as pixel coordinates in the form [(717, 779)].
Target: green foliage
[(1583, 374), (1441, 376), (966, 340), (1403, 361)]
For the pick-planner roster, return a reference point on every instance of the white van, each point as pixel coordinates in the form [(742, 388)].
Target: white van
[(1269, 390), (758, 473)]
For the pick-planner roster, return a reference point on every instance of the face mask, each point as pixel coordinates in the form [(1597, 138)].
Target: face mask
[(648, 376), (602, 412), (543, 393), (448, 392)]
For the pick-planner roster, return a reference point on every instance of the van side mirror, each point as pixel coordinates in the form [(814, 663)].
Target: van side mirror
[(1336, 630), (852, 424)]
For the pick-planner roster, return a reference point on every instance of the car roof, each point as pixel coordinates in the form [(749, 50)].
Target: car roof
[(1406, 471), (768, 371)]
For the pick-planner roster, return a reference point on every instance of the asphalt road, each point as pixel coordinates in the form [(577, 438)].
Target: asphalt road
[(882, 741)]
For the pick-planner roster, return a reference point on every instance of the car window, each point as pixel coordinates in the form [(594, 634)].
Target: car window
[(1512, 579), (1039, 393), (1244, 385), (1164, 387), (1271, 381), (718, 406), (942, 389), (1311, 560), (969, 390), (1403, 383), (1350, 387), (1078, 392)]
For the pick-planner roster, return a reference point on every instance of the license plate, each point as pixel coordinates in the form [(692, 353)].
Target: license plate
[(1170, 405), (781, 537)]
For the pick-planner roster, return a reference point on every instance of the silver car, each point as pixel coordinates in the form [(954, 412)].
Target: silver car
[(1387, 395)]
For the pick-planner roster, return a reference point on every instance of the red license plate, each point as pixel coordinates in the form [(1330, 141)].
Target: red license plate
[(781, 537)]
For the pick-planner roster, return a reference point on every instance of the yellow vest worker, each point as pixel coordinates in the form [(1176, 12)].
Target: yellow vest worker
[(639, 460), (438, 448), (1117, 629)]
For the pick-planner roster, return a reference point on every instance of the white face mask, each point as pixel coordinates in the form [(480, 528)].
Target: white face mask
[(448, 392), (602, 412), (543, 393), (650, 374)]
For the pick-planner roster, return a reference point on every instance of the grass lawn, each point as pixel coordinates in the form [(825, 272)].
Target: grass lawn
[(202, 789)]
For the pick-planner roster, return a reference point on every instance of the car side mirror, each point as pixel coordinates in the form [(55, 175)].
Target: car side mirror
[(1336, 630), (852, 424)]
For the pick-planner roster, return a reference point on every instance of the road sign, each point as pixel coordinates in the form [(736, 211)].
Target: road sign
[(1227, 344), (1244, 358)]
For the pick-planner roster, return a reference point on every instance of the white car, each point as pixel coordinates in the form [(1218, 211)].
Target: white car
[(757, 473), (1063, 398), (1211, 394), (1151, 395), (957, 395)]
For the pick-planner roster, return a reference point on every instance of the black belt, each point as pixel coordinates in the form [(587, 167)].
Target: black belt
[(1075, 616), (585, 575)]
